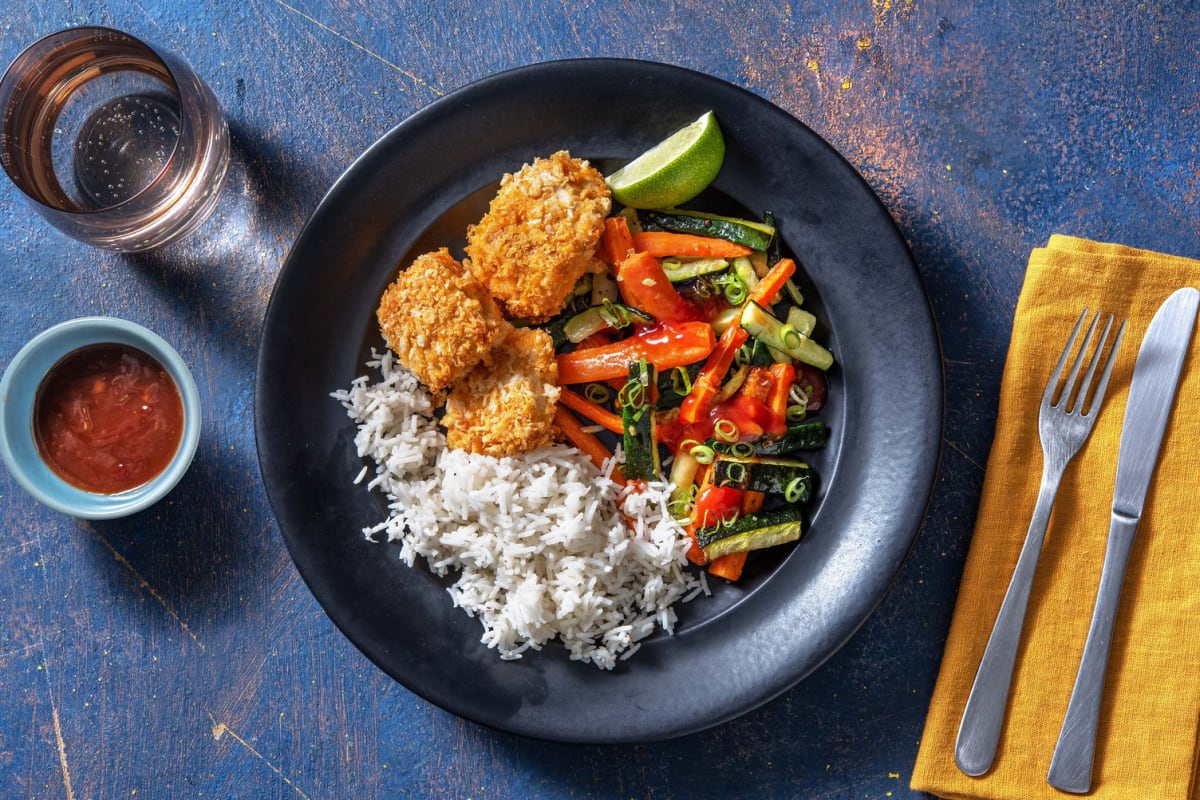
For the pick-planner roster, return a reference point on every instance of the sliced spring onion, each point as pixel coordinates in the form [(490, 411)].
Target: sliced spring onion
[(597, 392), (799, 394), (745, 353), (735, 474), (742, 450), (632, 393), (790, 336), (734, 289), (681, 381), (726, 430)]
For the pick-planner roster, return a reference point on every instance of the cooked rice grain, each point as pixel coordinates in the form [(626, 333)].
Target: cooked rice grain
[(539, 541)]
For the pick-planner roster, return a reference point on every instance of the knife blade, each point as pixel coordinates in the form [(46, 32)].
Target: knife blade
[(1152, 392)]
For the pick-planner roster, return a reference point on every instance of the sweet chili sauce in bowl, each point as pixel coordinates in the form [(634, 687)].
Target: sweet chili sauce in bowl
[(107, 418), (99, 417)]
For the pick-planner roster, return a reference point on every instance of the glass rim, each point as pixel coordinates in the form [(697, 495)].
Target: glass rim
[(12, 84)]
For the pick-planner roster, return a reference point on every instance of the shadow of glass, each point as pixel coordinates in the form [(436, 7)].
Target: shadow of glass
[(218, 280)]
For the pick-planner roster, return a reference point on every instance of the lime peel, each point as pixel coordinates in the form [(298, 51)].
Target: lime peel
[(673, 171)]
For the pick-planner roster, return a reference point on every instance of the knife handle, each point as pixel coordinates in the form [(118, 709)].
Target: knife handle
[(1071, 767)]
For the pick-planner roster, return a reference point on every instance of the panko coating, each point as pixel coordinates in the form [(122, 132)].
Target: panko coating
[(438, 320), (540, 234), (505, 406)]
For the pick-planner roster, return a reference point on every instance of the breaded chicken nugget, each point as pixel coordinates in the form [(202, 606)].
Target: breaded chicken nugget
[(439, 320), (505, 406), (540, 234)]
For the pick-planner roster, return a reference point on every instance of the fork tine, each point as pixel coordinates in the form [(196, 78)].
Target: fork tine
[(1102, 386), (1052, 384), (1067, 400), (1081, 400)]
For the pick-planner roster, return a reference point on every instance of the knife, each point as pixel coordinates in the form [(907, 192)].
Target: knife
[(1151, 395)]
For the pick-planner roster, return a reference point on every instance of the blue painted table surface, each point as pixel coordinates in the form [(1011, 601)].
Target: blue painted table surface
[(178, 654)]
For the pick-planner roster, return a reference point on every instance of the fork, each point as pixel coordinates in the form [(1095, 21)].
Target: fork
[(1063, 426)]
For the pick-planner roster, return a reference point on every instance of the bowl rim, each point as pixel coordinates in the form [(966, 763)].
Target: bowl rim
[(18, 389)]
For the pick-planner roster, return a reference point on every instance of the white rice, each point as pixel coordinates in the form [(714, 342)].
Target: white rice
[(540, 542)]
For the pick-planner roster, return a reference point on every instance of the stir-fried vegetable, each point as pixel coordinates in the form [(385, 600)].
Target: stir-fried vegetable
[(696, 341), (587, 443), (638, 423), (755, 235), (663, 243), (665, 346), (645, 286)]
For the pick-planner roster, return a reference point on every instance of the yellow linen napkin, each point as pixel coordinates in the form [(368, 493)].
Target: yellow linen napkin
[(1149, 737)]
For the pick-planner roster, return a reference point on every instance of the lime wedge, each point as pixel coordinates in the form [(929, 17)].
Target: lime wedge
[(673, 171)]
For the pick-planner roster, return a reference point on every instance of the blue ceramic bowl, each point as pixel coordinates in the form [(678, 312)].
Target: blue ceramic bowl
[(19, 386)]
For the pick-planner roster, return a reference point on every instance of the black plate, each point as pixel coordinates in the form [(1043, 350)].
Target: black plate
[(418, 186)]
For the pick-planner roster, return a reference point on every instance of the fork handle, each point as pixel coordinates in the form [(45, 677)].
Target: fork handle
[(979, 731), (1071, 767)]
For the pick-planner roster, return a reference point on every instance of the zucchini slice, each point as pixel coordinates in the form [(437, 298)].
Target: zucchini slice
[(812, 434), (675, 384), (598, 318), (744, 269), (685, 269), (751, 532), (755, 235), (637, 419), (804, 321), (787, 478), (762, 325)]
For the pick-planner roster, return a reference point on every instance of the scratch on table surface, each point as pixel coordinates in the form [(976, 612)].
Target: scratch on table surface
[(962, 453), (45, 670), (219, 729), (5, 655), (62, 752), (17, 546), (144, 584), (570, 18), (358, 46)]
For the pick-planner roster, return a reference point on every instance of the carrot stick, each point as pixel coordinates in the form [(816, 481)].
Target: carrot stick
[(616, 241), (752, 502), (695, 552), (663, 243), (729, 566), (590, 410), (770, 285), (785, 375), (645, 286), (597, 339), (665, 346), (587, 443), (708, 380)]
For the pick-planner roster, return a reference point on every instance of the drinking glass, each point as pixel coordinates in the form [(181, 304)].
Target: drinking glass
[(115, 141)]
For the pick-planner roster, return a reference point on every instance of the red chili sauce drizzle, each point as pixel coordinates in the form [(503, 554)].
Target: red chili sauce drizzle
[(107, 418)]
